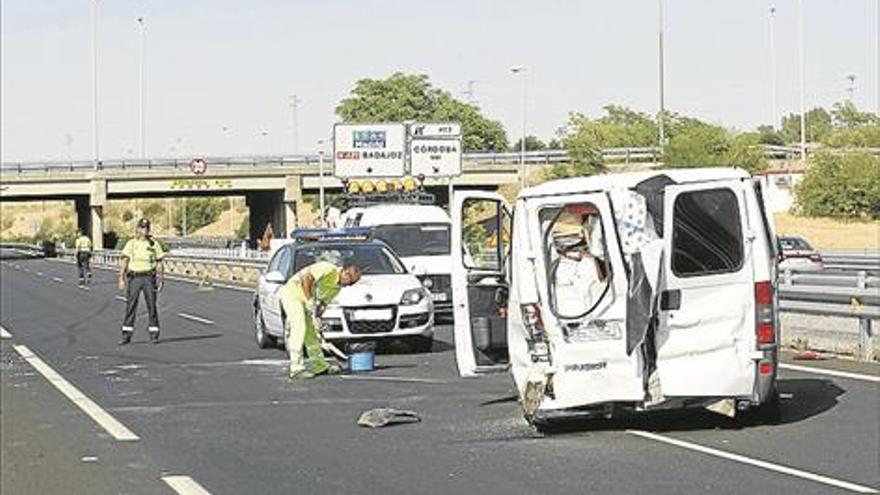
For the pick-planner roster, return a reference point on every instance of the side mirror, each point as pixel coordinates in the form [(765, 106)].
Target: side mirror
[(275, 277), (501, 296)]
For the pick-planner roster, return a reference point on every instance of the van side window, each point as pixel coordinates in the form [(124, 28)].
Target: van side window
[(707, 234)]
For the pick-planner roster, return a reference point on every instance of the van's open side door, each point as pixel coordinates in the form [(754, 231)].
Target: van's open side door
[(706, 337), (481, 229)]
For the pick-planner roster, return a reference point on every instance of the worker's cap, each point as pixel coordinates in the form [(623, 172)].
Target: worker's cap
[(143, 223)]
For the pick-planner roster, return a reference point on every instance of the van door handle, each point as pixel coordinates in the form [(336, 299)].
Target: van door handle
[(670, 299)]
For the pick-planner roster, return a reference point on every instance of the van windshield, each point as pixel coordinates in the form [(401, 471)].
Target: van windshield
[(415, 239), (578, 270), (371, 259)]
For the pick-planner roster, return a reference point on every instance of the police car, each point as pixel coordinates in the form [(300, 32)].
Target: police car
[(387, 302)]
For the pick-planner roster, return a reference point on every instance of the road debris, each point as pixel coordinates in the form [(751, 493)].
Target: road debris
[(384, 416)]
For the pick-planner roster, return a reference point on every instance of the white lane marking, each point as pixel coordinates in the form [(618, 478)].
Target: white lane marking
[(823, 371), (846, 485), (116, 429), (184, 485), (4, 334), (58, 279), (27, 269), (391, 379), (122, 298), (39, 274), (195, 318)]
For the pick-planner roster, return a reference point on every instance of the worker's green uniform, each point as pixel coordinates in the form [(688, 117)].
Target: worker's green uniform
[(300, 318), (83, 247), (143, 256)]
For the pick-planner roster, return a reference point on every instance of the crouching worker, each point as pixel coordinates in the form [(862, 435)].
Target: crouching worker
[(303, 299)]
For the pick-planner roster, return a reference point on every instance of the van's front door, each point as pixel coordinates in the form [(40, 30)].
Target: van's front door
[(705, 340), (480, 240)]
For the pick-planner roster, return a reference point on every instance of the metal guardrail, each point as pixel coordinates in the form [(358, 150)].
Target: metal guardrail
[(539, 157)]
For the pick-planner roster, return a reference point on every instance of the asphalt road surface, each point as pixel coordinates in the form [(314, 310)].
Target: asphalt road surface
[(207, 411)]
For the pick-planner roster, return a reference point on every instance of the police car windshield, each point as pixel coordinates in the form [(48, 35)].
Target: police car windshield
[(422, 239), (372, 259)]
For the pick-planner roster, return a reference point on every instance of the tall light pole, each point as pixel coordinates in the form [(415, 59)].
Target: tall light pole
[(321, 181), (802, 81), (773, 110), (294, 104), (522, 143), (141, 128), (661, 131), (95, 150)]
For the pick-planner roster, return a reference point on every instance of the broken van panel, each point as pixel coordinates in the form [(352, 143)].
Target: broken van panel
[(621, 291)]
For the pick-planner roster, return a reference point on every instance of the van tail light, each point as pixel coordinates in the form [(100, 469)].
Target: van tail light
[(765, 332)]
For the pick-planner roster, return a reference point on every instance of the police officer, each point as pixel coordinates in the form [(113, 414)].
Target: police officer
[(141, 271), (83, 247)]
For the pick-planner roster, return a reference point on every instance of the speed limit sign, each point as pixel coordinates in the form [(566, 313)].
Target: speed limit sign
[(198, 166)]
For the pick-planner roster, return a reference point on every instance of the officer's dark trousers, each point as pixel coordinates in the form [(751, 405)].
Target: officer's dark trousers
[(82, 265), (141, 283)]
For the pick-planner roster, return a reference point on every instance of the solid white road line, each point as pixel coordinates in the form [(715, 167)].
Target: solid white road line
[(184, 485), (116, 429), (755, 462), (58, 279), (823, 371), (391, 379), (4, 334), (195, 318), (122, 298)]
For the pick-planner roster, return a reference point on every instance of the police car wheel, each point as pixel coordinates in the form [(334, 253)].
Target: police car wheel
[(264, 341)]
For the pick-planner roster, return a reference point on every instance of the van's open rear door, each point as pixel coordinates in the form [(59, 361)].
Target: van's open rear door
[(706, 340), (480, 239)]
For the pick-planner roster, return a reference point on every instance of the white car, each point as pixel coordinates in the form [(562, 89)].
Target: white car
[(387, 302)]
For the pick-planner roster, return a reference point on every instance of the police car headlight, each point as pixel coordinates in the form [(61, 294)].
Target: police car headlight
[(427, 283), (412, 296)]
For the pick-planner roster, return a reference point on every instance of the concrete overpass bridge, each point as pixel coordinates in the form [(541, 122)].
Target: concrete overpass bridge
[(274, 188)]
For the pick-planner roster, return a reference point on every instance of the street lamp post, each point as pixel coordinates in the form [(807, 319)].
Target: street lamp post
[(141, 130), (294, 104), (802, 80), (95, 150), (661, 131), (773, 110), (321, 181), (522, 144)]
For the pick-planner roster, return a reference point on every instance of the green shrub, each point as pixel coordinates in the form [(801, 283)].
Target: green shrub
[(836, 185)]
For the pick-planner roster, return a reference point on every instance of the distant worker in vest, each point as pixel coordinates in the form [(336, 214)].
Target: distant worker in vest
[(83, 247), (141, 271), (303, 299)]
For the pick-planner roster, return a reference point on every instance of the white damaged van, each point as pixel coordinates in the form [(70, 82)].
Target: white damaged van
[(620, 292)]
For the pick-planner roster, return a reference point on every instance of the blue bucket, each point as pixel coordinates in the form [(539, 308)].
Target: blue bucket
[(362, 357)]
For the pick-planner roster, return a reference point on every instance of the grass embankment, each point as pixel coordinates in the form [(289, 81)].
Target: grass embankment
[(831, 234)]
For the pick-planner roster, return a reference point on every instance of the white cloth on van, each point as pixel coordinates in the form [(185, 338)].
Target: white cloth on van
[(634, 224), (576, 285)]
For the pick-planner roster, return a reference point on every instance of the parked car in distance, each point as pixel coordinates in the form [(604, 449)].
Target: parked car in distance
[(388, 303), (798, 254)]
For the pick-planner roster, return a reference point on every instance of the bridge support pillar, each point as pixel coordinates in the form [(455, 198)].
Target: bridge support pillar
[(293, 203), (97, 200)]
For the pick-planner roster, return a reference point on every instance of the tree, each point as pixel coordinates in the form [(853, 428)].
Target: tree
[(768, 135), (818, 122), (699, 144), (199, 212), (845, 114), (403, 97), (532, 144), (840, 185)]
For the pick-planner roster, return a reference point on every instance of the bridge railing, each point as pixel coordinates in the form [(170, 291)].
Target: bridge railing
[(539, 157)]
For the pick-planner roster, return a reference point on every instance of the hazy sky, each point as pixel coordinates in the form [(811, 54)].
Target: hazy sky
[(212, 64)]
